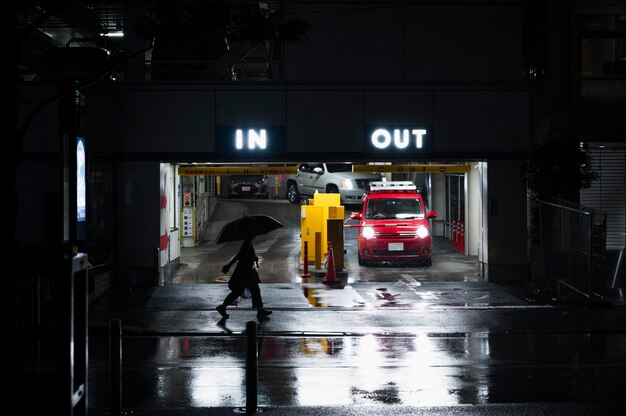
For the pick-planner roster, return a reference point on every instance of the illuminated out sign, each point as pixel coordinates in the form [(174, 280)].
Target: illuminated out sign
[(404, 139), (250, 140), (382, 138)]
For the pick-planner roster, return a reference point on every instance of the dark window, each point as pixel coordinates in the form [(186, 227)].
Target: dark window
[(602, 45), (339, 167)]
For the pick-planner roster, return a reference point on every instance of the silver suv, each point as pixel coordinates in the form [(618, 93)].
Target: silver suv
[(329, 178)]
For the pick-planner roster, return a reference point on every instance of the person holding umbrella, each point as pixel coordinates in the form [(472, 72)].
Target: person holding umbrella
[(245, 275)]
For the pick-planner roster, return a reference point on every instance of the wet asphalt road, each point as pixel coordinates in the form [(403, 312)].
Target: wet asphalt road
[(388, 340), (420, 369)]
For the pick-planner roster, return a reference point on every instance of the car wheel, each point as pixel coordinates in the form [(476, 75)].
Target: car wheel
[(332, 189), (293, 196), (361, 261)]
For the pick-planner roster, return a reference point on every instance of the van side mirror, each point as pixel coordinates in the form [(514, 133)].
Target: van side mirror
[(318, 170), (432, 214), (355, 216)]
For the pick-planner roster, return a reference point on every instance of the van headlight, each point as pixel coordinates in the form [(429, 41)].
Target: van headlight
[(422, 232), (367, 232), (346, 184)]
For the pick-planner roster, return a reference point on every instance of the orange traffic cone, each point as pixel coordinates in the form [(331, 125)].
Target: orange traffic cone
[(331, 276)]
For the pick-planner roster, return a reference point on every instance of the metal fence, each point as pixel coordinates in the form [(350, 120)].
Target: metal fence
[(574, 244)]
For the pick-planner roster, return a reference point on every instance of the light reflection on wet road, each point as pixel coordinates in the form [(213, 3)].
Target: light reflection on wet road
[(418, 369), (406, 336)]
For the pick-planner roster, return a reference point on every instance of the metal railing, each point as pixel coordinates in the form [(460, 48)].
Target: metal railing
[(574, 244)]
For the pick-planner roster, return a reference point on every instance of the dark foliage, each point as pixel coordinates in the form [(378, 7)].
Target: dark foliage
[(559, 168)]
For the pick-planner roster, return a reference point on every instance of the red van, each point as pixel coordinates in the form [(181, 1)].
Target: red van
[(393, 225)]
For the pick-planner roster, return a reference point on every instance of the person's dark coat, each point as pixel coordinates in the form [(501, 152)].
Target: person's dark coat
[(244, 275)]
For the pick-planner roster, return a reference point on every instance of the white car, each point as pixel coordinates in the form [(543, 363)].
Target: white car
[(329, 178)]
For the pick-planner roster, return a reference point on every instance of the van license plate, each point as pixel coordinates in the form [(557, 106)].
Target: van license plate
[(396, 246)]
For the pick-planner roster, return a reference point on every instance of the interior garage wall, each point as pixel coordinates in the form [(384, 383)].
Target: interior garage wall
[(438, 204), (474, 205)]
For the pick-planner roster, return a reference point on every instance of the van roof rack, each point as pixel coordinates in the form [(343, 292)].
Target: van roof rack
[(393, 186)]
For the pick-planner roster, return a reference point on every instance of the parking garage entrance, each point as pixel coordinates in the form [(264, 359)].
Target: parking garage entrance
[(198, 199)]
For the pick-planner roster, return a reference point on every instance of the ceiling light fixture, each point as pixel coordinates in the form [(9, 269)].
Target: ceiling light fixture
[(113, 34)]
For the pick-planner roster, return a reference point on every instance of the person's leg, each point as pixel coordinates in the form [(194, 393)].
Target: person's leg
[(230, 298), (257, 302)]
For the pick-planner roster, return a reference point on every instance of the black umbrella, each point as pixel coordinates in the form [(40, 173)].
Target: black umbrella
[(248, 225)]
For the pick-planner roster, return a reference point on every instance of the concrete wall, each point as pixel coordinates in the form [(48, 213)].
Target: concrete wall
[(409, 42), (506, 221), (39, 172), (138, 222), (170, 120)]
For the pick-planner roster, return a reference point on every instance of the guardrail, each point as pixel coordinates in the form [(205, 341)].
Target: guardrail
[(574, 245)]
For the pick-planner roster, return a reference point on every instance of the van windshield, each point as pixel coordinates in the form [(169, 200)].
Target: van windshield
[(393, 208)]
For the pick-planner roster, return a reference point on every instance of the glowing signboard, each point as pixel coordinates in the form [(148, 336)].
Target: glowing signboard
[(404, 139), (382, 138), (255, 139), (81, 181), (250, 140)]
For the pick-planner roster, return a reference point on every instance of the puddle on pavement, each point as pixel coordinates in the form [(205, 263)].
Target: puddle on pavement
[(322, 295)]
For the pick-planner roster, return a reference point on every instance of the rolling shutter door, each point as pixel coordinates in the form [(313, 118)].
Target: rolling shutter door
[(608, 193)]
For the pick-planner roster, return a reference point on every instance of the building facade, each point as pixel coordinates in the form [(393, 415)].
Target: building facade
[(484, 80)]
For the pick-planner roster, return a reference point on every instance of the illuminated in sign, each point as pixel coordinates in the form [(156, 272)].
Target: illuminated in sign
[(254, 139), (383, 138)]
